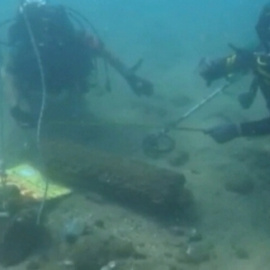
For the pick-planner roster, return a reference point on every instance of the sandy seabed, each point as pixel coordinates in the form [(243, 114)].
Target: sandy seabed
[(230, 184)]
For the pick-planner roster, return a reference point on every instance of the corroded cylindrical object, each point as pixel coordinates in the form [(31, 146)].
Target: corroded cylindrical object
[(133, 183)]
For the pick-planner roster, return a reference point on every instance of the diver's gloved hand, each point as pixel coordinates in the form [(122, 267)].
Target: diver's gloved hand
[(245, 57), (140, 86), (210, 70), (246, 99), (224, 133), (24, 119)]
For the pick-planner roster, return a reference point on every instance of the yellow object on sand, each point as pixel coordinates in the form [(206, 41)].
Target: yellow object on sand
[(32, 184)]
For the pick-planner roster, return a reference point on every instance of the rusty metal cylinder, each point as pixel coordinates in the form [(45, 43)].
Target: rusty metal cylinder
[(136, 184)]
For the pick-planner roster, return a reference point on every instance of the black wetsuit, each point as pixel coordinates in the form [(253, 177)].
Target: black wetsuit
[(65, 55), (259, 64)]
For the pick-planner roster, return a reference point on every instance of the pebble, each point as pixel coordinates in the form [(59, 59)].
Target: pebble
[(196, 253), (194, 235)]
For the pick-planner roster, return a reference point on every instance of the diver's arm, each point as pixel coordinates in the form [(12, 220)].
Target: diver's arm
[(228, 132), (255, 128), (22, 116), (139, 85), (225, 67), (10, 89)]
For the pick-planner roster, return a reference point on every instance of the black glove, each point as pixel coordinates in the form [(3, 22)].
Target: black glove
[(224, 133), (246, 99), (139, 85), (24, 119), (211, 70)]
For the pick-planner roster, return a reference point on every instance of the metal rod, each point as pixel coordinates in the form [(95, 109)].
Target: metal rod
[(201, 103)]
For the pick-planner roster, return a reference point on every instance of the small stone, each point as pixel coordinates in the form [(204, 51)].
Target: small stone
[(112, 264), (194, 236), (73, 229), (197, 253)]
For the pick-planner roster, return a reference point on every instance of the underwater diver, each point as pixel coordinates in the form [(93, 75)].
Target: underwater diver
[(51, 55), (242, 61)]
